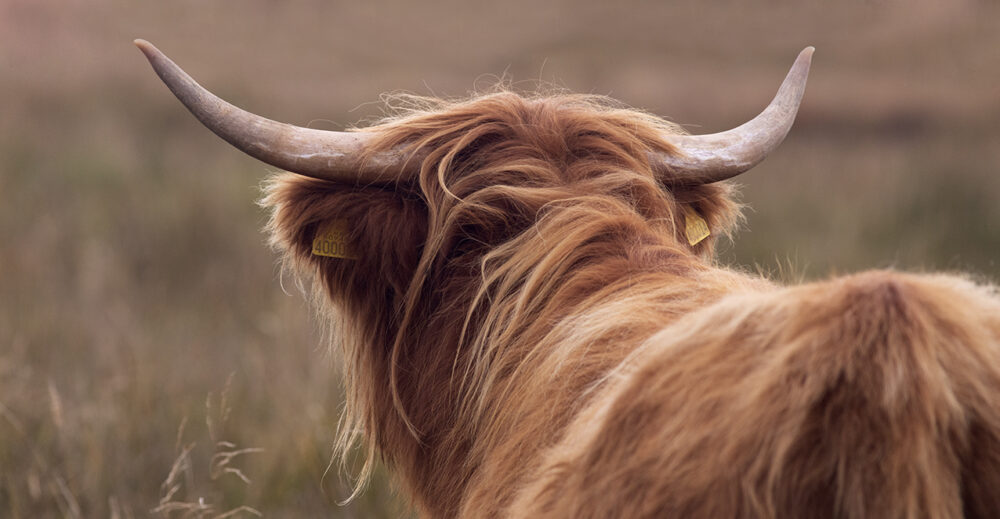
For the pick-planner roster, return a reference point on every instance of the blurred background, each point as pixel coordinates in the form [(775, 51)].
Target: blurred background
[(152, 362)]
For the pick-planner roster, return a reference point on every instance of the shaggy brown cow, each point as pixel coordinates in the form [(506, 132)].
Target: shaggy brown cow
[(532, 324)]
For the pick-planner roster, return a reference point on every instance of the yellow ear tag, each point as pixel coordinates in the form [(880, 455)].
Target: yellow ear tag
[(331, 241), (695, 226)]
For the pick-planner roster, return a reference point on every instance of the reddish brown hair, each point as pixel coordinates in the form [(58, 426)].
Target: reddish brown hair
[(525, 329)]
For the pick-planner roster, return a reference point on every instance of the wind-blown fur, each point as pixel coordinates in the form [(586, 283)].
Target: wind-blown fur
[(527, 333)]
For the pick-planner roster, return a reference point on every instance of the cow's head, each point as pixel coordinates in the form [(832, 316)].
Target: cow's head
[(447, 231)]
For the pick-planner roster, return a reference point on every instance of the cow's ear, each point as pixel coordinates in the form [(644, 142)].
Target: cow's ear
[(362, 242)]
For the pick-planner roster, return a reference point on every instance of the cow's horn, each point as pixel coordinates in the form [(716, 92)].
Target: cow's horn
[(710, 158), (316, 153)]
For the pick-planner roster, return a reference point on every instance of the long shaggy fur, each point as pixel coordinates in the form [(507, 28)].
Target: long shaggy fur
[(527, 333)]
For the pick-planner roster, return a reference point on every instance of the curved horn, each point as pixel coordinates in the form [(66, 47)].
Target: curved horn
[(710, 158), (321, 154)]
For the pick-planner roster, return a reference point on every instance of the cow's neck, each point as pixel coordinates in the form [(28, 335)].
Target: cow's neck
[(540, 374)]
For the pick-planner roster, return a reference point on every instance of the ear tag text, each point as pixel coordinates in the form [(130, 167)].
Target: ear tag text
[(332, 241), (695, 226)]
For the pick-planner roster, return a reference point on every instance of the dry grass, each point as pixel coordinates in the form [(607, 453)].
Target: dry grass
[(134, 281)]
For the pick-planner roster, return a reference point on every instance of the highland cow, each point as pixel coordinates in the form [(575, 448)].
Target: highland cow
[(532, 324)]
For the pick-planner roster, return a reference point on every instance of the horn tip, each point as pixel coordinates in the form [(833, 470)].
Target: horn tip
[(807, 53), (147, 48)]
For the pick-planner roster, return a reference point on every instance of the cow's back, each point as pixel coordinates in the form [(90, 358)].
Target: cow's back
[(873, 395)]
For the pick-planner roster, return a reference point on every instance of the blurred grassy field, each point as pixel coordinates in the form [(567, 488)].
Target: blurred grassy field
[(144, 331)]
